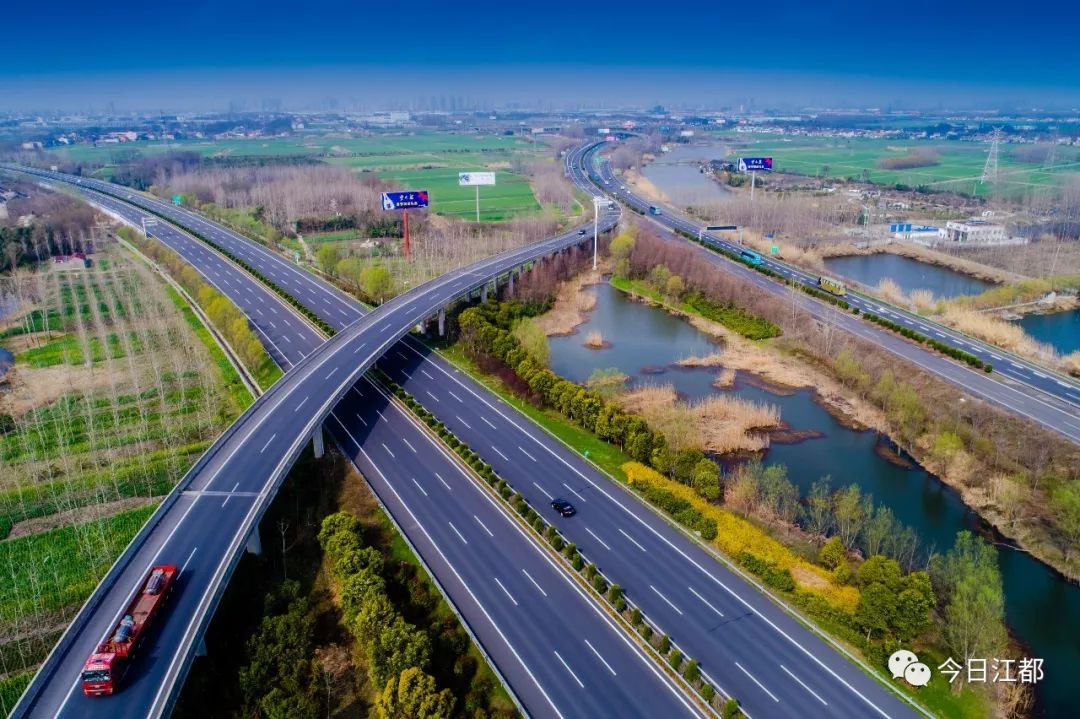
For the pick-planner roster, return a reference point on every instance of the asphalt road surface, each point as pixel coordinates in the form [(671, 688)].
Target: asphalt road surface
[(748, 647), (559, 652)]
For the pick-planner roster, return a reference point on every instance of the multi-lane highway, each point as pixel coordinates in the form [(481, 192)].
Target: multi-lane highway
[(558, 651), (749, 647), (1016, 384)]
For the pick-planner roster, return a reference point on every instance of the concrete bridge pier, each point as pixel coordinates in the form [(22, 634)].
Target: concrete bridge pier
[(442, 321), (317, 441), (200, 650), (510, 282), (483, 293), (254, 543)]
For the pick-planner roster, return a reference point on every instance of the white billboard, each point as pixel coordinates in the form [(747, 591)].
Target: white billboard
[(468, 179), (603, 131)]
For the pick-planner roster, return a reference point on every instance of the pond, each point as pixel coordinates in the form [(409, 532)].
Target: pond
[(909, 274), (676, 174), (1061, 330), (1043, 610)]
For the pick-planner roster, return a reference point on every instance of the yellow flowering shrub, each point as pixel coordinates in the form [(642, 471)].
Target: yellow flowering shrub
[(736, 535)]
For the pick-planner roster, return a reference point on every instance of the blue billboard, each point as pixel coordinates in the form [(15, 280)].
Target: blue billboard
[(755, 164), (404, 199)]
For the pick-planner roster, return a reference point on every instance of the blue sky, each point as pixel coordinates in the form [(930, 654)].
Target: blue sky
[(197, 53)]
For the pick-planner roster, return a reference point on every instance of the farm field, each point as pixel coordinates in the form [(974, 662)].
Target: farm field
[(511, 195), (960, 164), (116, 390), (423, 160), (420, 145)]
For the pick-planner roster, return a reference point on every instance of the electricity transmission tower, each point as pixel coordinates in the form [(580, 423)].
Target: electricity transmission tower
[(990, 169)]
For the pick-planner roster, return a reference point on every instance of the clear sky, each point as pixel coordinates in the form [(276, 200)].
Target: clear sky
[(202, 54)]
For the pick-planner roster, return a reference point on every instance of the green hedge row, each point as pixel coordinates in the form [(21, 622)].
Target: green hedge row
[(680, 510), (774, 577), (941, 347)]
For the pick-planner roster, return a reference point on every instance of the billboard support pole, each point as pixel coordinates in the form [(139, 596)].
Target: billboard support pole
[(478, 203), (408, 247), (753, 181)]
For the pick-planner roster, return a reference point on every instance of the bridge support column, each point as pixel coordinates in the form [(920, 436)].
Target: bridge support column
[(510, 282), (254, 543), (200, 651), (317, 441), (442, 321), (483, 293)]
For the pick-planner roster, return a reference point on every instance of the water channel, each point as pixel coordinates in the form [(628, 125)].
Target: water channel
[(1061, 330), (1042, 609), (677, 175), (909, 274)]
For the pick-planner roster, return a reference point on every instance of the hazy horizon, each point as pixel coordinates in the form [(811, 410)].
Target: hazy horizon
[(205, 56)]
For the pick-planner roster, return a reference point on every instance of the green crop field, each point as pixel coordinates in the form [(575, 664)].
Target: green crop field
[(117, 391), (337, 236), (958, 167), (511, 195), (67, 563)]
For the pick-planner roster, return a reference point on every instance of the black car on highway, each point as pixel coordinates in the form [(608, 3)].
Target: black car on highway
[(563, 507)]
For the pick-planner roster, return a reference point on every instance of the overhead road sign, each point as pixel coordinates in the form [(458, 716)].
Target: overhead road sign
[(720, 228), (755, 164), (468, 179), (404, 199)]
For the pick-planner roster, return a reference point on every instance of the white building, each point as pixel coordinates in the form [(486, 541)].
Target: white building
[(975, 232), (979, 233)]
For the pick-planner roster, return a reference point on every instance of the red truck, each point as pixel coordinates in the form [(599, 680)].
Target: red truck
[(105, 668)]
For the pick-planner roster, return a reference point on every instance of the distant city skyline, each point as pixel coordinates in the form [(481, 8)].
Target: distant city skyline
[(201, 56)]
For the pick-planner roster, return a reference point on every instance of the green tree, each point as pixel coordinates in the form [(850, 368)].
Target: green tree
[(731, 710), (350, 270), (818, 512), (879, 570), (327, 257), (832, 554), (377, 283), (913, 606), (850, 511), (946, 446), (780, 496), (395, 647), (706, 480), (413, 694), (533, 340), (674, 287), (975, 605), (279, 704), (849, 370), (877, 603), (279, 674), (620, 249), (658, 277), (878, 530), (1065, 501)]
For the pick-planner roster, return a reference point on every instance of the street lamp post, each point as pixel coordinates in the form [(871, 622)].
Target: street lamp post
[(596, 227)]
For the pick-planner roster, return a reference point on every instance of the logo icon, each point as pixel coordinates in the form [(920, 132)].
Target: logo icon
[(904, 663)]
